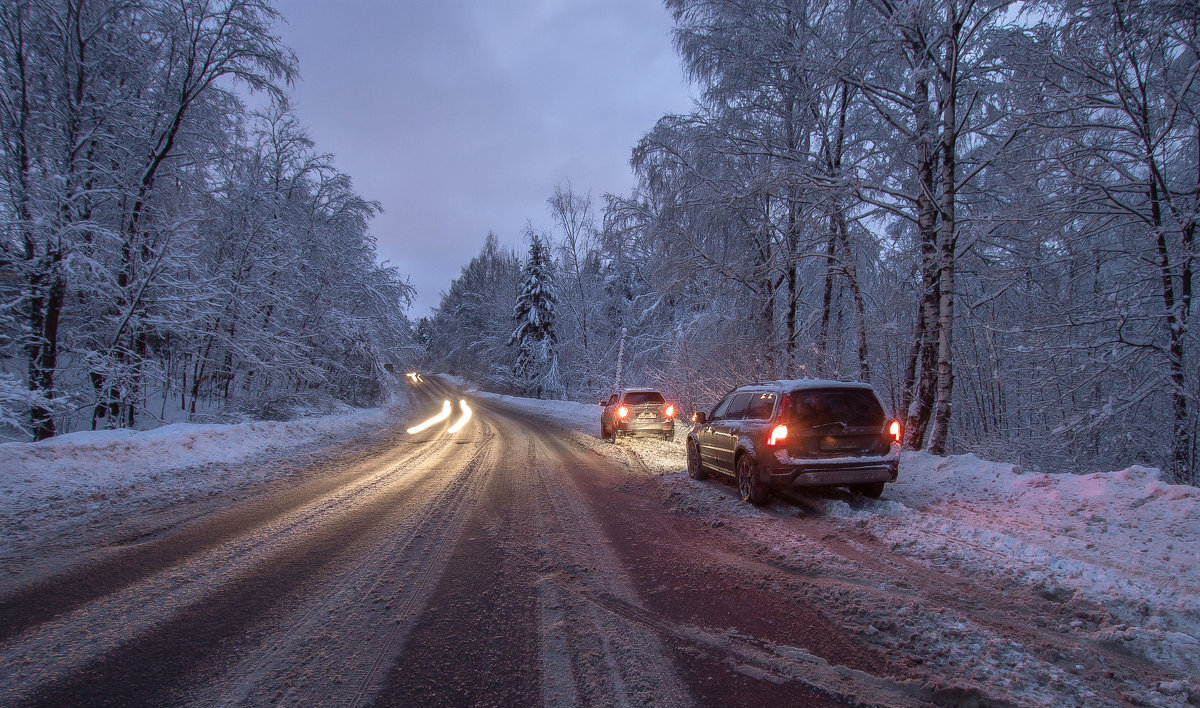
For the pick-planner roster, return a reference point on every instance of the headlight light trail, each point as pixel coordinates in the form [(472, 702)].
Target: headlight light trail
[(466, 415), (432, 421)]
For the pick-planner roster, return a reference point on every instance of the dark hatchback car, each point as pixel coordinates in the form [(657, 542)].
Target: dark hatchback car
[(801, 433), (637, 411)]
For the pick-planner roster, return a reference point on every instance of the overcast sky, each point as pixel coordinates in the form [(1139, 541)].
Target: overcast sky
[(461, 116)]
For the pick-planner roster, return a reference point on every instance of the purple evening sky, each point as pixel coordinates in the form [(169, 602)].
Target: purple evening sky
[(461, 116)]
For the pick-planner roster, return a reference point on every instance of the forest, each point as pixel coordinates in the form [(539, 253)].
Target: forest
[(985, 208), (164, 247)]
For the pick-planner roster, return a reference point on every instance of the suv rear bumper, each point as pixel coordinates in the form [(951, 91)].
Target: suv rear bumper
[(645, 427), (782, 471)]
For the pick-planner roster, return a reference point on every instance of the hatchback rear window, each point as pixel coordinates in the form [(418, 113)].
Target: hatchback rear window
[(637, 398), (853, 407)]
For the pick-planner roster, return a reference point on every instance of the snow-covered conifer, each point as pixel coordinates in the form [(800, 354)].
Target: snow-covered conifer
[(534, 338)]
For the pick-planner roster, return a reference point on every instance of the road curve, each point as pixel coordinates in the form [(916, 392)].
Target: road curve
[(501, 565)]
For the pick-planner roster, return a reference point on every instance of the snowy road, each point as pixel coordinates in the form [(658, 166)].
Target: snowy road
[(517, 563)]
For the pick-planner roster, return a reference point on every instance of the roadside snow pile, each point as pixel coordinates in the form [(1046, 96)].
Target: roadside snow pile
[(86, 463), (1124, 540), (101, 478)]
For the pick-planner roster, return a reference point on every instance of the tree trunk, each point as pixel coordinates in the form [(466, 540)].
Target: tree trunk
[(947, 246), (924, 361), (850, 271), (823, 364)]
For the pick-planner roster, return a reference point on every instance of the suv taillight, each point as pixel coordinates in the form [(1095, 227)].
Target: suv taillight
[(670, 411), (622, 411), (894, 431), (779, 432)]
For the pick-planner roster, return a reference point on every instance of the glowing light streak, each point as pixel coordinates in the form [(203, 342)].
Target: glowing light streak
[(432, 421), (466, 415)]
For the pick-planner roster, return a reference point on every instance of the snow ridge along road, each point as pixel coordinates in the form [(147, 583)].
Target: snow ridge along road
[(522, 562)]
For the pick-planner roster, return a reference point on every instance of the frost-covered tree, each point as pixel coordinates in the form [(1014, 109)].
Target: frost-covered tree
[(162, 248), (534, 338), (468, 333)]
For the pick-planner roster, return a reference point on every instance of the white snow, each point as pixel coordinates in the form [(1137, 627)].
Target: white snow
[(95, 479)]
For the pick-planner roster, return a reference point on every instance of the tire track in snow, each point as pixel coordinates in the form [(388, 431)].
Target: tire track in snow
[(611, 659), (334, 646)]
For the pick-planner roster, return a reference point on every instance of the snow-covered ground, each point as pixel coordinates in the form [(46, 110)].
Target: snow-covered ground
[(94, 480), (1123, 541)]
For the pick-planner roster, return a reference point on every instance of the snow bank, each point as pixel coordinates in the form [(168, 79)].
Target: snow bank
[(100, 462), (51, 490), (1123, 540)]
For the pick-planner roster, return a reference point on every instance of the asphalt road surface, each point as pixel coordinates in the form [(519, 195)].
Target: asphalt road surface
[(501, 565)]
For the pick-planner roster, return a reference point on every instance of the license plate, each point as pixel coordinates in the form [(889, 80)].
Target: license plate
[(647, 415), (841, 444)]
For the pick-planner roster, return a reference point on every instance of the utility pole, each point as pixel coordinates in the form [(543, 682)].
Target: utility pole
[(620, 358)]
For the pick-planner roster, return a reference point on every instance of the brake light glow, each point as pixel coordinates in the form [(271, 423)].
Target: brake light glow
[(670, 411), (894, 431), (622, 412), (779, 432)]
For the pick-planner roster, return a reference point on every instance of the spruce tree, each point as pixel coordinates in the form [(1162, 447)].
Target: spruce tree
[(537, 361)]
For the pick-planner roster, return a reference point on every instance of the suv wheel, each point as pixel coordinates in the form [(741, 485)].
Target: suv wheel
[(870, 491), (695, 467), (749, 488), (604, 431)]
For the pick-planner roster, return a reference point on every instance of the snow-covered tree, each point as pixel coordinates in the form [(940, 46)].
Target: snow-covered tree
[(534, 338), (159, 243), (469, 331)]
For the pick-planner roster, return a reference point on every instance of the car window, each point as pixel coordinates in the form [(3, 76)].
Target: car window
[(762, 405), (854, 407), (739, 406), (612, 399), (719, 411), (637, 398)]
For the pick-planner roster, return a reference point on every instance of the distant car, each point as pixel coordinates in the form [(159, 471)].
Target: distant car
[(799, 433), (637, 411)]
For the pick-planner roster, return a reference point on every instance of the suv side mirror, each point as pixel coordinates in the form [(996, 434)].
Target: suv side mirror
[(699, 418)]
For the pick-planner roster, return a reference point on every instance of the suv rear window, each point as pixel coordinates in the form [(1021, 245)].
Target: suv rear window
[(854, 407), (637, 398)]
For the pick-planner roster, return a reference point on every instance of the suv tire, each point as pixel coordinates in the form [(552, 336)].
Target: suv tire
[(870, 491), (694, 466), (749, 487)]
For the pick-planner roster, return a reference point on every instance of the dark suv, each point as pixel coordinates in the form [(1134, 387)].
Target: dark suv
[(637, 411), (803, 433)]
